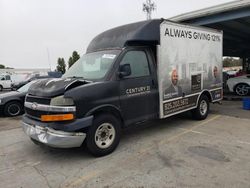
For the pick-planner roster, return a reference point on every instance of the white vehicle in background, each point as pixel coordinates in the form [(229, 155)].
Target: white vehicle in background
[(231, 73), (5, 81), (240, 85)]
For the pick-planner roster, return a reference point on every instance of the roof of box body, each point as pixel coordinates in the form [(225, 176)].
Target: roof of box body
[(144, 32)]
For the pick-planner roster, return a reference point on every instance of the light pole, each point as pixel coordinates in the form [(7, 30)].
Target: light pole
[(148, 7)]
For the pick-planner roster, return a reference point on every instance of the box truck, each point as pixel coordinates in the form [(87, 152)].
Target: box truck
[(130, 74)]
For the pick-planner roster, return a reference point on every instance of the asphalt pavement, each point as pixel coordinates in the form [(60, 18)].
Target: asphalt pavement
[(175, 152)]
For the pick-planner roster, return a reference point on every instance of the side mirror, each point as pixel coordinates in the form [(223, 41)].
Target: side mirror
[(124, 70)]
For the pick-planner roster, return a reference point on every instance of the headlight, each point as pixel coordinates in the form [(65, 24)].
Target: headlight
[(61, 101)]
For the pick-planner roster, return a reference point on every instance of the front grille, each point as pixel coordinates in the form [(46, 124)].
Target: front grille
[(39, 100), (36, 114), (35, 107)]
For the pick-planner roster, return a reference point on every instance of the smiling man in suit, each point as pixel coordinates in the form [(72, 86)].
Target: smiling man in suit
[(174, 90)]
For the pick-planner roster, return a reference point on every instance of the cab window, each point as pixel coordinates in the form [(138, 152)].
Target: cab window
[(138, 62), (7, 77)]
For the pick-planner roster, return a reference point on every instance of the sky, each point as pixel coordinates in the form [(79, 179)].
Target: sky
[(35, 33)]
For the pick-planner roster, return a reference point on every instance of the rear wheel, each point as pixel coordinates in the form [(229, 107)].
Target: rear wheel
[(13, 109), (202, 109), (104, 135), (242, 89), (1, 88)]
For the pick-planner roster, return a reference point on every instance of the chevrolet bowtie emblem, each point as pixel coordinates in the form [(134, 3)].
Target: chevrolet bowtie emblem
[(34, 106)]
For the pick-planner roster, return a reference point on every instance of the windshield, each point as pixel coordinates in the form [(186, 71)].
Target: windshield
[(93, 66), (26, 87), (17, 78)]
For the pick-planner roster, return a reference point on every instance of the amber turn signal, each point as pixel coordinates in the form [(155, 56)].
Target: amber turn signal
[(57, 117)]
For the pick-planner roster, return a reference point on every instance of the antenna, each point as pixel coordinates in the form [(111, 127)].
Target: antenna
[(149, 7), (49, 58)]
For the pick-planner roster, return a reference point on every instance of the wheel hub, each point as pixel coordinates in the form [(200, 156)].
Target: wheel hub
[(241, 90), (104, 135), (13, 109), (203, 107)]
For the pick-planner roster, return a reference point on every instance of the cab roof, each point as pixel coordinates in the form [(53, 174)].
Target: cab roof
[(144, 32)]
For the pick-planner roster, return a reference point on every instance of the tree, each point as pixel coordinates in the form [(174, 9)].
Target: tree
[(61, 66), (75, 56), (70, 62), (2, 66)]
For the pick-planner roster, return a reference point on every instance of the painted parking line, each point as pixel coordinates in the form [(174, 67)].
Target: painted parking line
[(189, 130), (242, 142), (82, 179), (78, 181), (170, 139), (210, 135)]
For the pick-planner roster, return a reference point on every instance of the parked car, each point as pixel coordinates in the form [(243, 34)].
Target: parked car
[(239, 85), (17, 85), (231, 73), (5, 81), (11, 103)]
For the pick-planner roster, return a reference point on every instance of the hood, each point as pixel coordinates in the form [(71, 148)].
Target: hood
[(9, 94), (55, 87)]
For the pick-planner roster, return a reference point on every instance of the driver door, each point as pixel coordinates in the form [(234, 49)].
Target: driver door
[(137, 91)]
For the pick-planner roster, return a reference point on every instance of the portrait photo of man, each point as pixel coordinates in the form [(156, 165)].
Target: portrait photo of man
[(216, 77), (174, 90)]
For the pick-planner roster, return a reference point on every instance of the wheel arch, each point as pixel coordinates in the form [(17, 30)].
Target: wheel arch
[(13, 100), (206, 93), (111, 109)]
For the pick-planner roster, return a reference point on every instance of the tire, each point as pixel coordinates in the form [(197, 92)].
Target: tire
[(104, 135), (202, 109), (241, 89), (1, 88), (12, 109)]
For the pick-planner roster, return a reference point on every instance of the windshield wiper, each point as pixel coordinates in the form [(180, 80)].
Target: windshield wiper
[(81, 78), (76, 77)]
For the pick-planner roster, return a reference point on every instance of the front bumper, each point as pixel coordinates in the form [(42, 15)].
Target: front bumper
[(54, 138)]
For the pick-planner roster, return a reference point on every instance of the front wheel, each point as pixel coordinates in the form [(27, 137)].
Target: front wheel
[(242, 89), (104, 135), (12, 109), (202, 109)]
